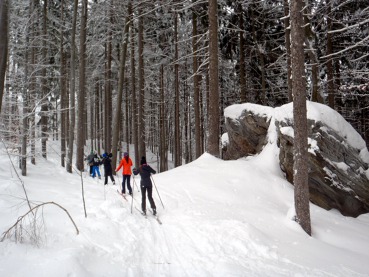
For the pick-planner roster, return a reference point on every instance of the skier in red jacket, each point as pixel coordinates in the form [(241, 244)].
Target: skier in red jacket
[(126, 163)]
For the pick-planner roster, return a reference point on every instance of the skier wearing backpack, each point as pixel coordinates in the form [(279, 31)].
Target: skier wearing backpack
[(145, 172), (90, 161), (106, 161)]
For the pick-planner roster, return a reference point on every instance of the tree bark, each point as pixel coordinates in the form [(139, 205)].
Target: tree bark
[(287, 32), (118, 109), (63, 91), (300, 177), (213, 134), (141, 84), (177, 139), (72, 87), (261, 94), (108, 88), (82, 87), (330, 70), (311, 46), (243, 92), (25, 103), (33, 80), (163, 137), (134, 98), (196, 87), (3, 45), (44, 101)]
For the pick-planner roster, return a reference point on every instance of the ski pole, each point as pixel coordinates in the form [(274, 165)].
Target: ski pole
[(120, 185), (132, 203), (157, 191), (104, 192), (134, 182)]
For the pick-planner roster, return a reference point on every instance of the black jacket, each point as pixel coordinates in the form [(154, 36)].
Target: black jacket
[(145, 172), (107, 166), (97, 160)]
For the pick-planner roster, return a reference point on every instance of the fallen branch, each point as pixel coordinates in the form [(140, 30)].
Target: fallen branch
[(18, 223)]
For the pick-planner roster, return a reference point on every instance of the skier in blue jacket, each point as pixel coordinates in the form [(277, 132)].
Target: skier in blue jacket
[(96, 164)]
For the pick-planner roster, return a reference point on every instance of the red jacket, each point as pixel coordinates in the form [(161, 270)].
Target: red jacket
[(126, 166)]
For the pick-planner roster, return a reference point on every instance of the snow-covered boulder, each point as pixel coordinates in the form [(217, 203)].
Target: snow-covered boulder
[(247, 126), (338, 156)]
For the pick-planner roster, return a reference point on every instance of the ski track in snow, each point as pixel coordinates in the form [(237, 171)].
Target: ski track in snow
[(206, 231)]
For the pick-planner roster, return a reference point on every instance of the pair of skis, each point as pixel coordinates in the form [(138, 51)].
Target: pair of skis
[(145, 215), (155, 216), (123, 195)]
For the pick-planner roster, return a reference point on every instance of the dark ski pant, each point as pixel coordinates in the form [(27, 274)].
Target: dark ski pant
[(128, 179), (149, 195), (111, 178)]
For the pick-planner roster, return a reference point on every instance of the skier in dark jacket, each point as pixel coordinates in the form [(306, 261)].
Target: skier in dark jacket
[(106, 161), (145, 172)]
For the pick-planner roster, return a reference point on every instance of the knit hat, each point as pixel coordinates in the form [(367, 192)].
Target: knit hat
[(143, 160), (125, 154), (105, 155)]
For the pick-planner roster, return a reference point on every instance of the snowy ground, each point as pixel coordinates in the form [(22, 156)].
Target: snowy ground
[(220, 218)]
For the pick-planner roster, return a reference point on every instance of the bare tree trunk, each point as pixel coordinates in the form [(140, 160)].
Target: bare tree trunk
[(204, 120), (141, 84), (243, 92), (63, 91), (287, 33), (25, 104), (162, 121), (186, 129), (311, 50), (134, 102), (3, 45), (127, 118), (118, 109), (81, 95), (44, 101), (300, 117), (32, 92), (261, 96), (213, 112), (92, 113), (330, 70), (196, 87), (72, 88), (108, 88), (99, 119), (177, 143)]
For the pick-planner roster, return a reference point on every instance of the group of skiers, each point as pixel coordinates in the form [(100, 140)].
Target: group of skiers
[(145, 171)]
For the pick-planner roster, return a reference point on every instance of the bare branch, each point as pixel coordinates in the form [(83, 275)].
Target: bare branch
[(18, 223)]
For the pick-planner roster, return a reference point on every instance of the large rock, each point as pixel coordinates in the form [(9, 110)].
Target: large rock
[(246, 132), (338, 158)]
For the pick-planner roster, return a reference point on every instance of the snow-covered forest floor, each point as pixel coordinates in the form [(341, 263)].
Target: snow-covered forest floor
[(220, 218)]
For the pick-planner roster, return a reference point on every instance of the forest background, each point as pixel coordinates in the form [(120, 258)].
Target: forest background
[(101, 73)]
